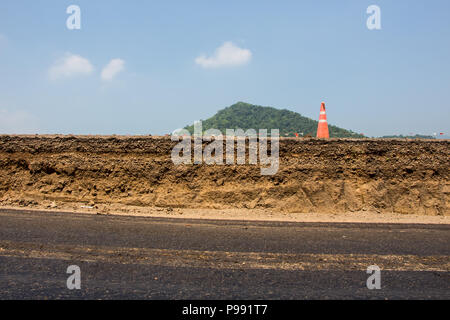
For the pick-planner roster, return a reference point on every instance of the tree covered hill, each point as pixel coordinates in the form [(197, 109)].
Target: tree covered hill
[(247, 116)]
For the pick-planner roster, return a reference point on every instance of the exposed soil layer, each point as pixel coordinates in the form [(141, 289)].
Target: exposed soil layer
[(324, 176)]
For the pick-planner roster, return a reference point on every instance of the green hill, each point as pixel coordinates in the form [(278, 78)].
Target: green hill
[(247, 116)]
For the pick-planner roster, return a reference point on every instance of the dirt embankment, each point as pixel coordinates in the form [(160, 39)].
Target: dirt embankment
[(328, 176)]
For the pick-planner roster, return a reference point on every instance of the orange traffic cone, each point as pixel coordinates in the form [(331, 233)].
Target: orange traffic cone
[(322, 129)]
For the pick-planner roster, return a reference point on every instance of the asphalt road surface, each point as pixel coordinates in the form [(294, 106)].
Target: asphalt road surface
[(159, 258)]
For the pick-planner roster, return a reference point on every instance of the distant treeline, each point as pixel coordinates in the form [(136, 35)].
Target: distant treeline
[(417, 136)]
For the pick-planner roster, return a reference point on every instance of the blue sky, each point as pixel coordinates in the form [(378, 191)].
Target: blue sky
[(173, 62)]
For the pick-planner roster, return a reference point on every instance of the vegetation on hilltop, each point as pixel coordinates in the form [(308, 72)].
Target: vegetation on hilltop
[(247, 116)]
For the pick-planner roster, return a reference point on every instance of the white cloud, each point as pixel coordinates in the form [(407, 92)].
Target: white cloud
[(17, 122), (227, 55), (70, 65), (112, 69)]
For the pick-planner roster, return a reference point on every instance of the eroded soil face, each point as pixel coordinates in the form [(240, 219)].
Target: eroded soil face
[(324, 176)]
